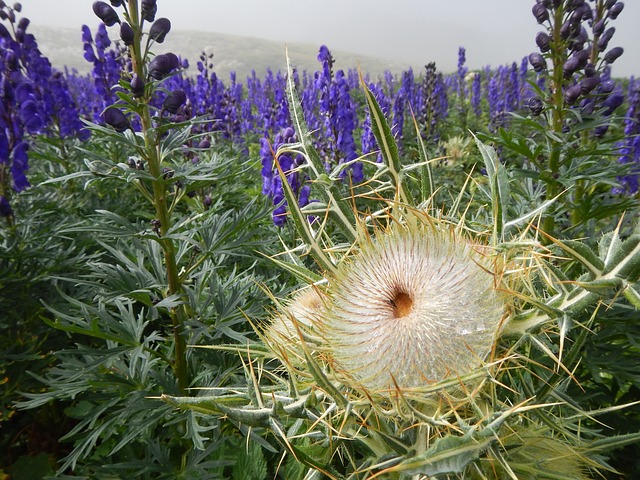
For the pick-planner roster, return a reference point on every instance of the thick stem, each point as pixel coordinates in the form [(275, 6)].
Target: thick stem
[(153, 160), (558, 57)]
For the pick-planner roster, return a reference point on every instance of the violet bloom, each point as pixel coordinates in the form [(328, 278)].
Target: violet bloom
[(338, 110), (271, 179), (462, 72), (630, 146), (476, 95), (33, 100)]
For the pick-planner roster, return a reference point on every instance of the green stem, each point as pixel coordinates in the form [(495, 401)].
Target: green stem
[(154, 160), (557, 120)]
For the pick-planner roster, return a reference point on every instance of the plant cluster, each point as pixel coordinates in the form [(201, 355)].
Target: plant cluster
[(318, 275)]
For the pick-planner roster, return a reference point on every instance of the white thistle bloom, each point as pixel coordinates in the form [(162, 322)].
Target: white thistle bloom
[(302, 315), (413, 307)]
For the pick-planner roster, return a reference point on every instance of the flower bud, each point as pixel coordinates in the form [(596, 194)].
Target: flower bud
[(117, 119), (543, 40), (612, 102), (17, 7), (590, 70), (615, 10), (126, 34), (5, 207), (23, 23), (137, 86), (174, 101), (607, 87), (11, 61), (538, 62), (161, 65), (148, 10), (535, 105), (587, 106), (576, 62), (106, 13), (599, 131), (572, 93), (588, 84), (609, 3), (204, 144), (598, 27), (540, 12), (570, 67), (578, 41), (159, 29), (603, 41), (288, 133), (565, 30), (613, 54), (116, 3)]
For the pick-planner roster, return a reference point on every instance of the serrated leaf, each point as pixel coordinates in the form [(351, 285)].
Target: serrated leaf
[(448, 455), (250, 464), (583, 254)]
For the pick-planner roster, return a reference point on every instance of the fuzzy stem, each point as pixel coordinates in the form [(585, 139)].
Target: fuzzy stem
[(154, 160)]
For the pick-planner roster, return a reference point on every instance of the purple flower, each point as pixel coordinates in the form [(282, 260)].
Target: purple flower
[(162, 65), (126, 34), (159, 29), (19, 166), (537, 62), (174, 101), (117, 119), (148, 9), (613, 54), (106, 13), (540, 12), (5, 207)]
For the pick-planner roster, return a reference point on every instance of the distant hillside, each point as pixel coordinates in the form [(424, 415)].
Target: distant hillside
[(63, 47)]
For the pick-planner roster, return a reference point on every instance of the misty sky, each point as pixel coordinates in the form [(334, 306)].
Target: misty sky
[(413, 31)]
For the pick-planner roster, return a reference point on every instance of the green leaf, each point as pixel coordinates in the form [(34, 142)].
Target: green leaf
[(251, 464), (302, 225), (386, 142), (448, 455), (427, 186), (632, 295), (300, 272), (499, 183)]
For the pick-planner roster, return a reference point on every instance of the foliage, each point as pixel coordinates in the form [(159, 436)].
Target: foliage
[(158, 233), (509, 417)]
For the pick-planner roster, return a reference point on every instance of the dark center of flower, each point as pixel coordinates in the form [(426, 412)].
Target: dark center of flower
[(402, 304)]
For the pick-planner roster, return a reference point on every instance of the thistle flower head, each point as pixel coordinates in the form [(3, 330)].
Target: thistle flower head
[(299, 320), (414, 306)]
